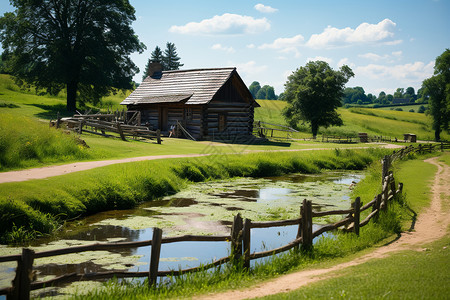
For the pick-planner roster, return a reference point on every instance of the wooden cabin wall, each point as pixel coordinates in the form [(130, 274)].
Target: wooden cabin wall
[(194, 124), (239, 118), (149, 116)]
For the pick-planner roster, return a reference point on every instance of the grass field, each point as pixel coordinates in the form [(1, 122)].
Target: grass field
[(407, 108), (373, 121)]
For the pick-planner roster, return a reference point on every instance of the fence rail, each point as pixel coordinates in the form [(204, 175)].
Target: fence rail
[(100, 124), (239, 238)]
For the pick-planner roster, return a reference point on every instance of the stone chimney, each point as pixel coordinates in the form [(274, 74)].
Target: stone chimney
[(154, 70)]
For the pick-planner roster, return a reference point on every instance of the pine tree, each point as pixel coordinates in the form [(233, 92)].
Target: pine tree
[(170, 58)]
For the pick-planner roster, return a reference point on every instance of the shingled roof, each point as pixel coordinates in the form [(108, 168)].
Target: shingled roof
[(181, 86)]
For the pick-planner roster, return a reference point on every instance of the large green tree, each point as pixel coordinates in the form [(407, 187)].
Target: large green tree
[(80, 45), (313, 93), (437, 88)]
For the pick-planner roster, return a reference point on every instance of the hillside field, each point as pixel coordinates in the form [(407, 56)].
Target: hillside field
[(374, 121)]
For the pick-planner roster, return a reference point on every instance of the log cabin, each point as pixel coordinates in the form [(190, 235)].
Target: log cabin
[(207, 103)]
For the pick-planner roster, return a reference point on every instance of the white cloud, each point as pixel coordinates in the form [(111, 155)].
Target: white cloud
[(375, 57), (397, 54), (325, 59), (224, 24), (250, 68), (251, 46), (363, 34), (345, 61), (286, 45), (409, 74), (223, 48), (265, 8)]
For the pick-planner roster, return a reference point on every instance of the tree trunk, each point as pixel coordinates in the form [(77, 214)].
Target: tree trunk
[(72, 88), (314, 128), (437, 135)]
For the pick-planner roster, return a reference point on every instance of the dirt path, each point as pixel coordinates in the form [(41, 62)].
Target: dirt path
[(45, 172), (431, 225)]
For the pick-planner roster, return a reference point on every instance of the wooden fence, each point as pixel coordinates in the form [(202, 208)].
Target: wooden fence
[(239, 237), (100, 124), (264, 129)]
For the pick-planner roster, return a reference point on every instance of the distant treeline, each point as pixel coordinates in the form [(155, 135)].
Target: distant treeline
[(357, 95)]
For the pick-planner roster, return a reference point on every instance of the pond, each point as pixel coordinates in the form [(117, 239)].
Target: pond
[(206, 208)]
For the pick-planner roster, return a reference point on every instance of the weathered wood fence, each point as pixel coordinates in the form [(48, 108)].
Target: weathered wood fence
[(100, 124), (239, 237), (264, 129)]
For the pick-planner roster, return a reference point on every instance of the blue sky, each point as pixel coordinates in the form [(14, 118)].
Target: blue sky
[(388, 44)]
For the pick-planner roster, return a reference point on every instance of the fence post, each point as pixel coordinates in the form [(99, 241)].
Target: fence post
[(246, 242), (442, 146), (306, 225), (154, 256), (22, 281), (356, 215), (392, 181), (236, 238), (80, 128), (299, 230), (385, 193), (119, 129), (158, 136), (58, 120), (377, 205), (385, 165)]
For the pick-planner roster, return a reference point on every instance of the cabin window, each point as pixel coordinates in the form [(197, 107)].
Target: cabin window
[(222, 122), (188, 113)]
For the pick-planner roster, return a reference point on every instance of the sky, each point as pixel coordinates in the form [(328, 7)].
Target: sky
[(388, 44)]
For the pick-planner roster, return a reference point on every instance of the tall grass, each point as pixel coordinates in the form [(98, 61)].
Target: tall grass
[(25, 142), (39, 204)]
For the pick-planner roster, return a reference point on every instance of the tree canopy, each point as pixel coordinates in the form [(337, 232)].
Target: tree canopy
[(265, 92), (437, 88), (313, 93), (81, 45), (254, 88)]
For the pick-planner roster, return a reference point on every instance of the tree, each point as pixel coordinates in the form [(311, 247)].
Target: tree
[(81, 45), (254, 88), (261, 94), (437, 88), (270, 93), (171, 61), (314, 92), (399, 93), (156, 57)]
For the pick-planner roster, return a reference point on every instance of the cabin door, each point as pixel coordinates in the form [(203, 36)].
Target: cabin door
[(163, 116)]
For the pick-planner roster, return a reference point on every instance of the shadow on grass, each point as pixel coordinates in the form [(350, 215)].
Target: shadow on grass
[(51, 111), (252, 141)]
